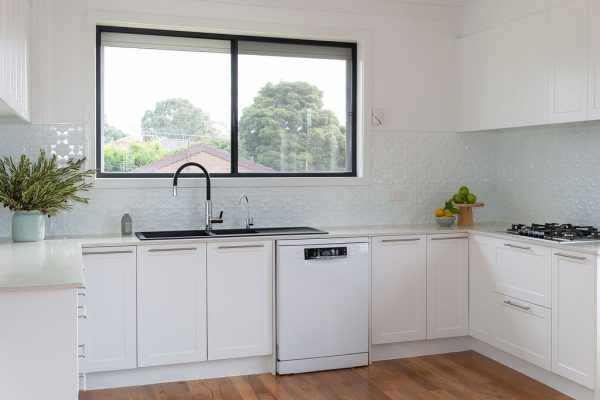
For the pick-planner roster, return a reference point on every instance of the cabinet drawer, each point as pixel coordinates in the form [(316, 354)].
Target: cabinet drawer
[(523, 271), (523, 329)]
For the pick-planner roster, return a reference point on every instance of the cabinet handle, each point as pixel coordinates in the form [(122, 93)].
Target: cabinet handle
[(400, 240), (517, 247), (245, 246), (570, 256), (178, 249), (84, 315), (510, 303), (82, 348), (81, 291), (86, 253), (450, 238)]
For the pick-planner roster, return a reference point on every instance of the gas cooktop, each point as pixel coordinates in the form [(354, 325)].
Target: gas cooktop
[(563, 233)]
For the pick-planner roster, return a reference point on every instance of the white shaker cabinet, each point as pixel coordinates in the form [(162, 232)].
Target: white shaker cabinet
[(481, 282), (240, 299), (447, 285), (14, 59), (574, 316), (399, 289), (532, 66), (594, 60), (171, 304), (568, 45), (107, 311), (471, 107)]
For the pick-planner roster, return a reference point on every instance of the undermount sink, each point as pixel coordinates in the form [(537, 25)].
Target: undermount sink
[(279, 231)]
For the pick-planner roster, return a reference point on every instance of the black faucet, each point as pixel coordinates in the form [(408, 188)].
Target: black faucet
[(209, 218)]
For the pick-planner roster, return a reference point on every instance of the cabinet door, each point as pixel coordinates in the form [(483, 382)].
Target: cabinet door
[(481, 281), (523, 329), (447, 286), (574, 316), (568, 62), (472, 80), (240, 299), (594, 60), (498, 91), (399, 289), (171, 304), (532, 69), (107, 334)]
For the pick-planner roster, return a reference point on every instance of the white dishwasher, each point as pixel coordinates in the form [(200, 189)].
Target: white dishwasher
[(322, 304)]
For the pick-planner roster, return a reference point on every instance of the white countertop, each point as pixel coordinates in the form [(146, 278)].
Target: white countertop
[(56, 263)]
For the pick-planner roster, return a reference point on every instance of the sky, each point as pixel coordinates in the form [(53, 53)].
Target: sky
[(136, 79)]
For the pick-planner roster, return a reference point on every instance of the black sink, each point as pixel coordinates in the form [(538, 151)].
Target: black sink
[(283, 231)]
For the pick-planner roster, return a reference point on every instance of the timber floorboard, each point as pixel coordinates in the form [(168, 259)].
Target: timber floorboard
[(454, 376)]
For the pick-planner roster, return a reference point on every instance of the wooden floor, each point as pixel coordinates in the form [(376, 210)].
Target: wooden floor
[(456, 376)]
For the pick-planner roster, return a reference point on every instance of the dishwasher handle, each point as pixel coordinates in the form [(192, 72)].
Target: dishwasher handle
[(321, 253)]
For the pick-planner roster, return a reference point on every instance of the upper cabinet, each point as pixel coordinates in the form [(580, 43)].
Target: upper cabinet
[(532, 71), (14, 60)]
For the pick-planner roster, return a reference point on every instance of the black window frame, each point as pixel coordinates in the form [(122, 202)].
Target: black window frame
[(234, 39)]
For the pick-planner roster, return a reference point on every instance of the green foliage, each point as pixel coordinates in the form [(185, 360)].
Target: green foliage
[(450, 207), (134, 156), (42, 185), (275, 130), (177, 118), (111, 133)]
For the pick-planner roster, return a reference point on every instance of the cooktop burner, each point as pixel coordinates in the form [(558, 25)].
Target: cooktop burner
[(556, 232)]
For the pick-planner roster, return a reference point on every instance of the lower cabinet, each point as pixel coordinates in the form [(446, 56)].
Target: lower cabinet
[(447, 286), (107, 314), (171, 304), (481, 283), (399, 289), (574, 316), (240, 299), (523, 330)]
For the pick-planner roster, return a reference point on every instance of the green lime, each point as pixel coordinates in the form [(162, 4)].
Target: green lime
[(471, 198), (459, 198), (463, 190)]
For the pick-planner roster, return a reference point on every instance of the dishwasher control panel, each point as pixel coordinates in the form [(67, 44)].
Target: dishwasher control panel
[(325, 252)]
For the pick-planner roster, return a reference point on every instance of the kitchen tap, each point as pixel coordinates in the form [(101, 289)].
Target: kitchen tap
[(209, 218), (249, 220)]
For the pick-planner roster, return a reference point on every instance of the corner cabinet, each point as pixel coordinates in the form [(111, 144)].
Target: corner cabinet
[(574, 316), (107, 315), (447, 286), (482, 251), (14, 59), (399, 289), (240, 299), (171, 304)]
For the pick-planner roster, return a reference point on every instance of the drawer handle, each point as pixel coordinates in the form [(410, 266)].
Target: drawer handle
[(510, 303), (179, 249), (246, 246), (81, 291), (82, 348), (517, 247), (450, 238), (88, 253), (570, 256), (82, 308), (400, 240)]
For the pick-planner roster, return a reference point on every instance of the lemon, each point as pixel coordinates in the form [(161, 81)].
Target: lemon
[(439, 212), (448, 214)]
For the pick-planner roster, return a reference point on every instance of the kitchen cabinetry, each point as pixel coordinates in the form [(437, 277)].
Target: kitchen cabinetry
[(107, 314), (574, 316), (171, 304), (532, 65), (523, 271), (481, 282), (568, 61), (14, 59), (472, 77), (399, 289), (447, 286), (594, 60), (240, 299)]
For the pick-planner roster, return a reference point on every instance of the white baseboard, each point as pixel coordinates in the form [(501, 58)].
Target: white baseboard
[(179, 372), (391, 351)]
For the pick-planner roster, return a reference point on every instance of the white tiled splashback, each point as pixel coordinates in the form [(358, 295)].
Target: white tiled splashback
[(550, 174), (413, 173)]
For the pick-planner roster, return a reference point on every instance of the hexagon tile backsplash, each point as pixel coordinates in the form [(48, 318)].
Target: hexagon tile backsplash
[(412, 174)]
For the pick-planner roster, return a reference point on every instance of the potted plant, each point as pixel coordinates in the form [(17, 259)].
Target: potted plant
[(37, 189)]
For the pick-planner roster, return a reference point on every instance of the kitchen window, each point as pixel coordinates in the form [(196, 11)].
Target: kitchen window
[(241, 106)]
